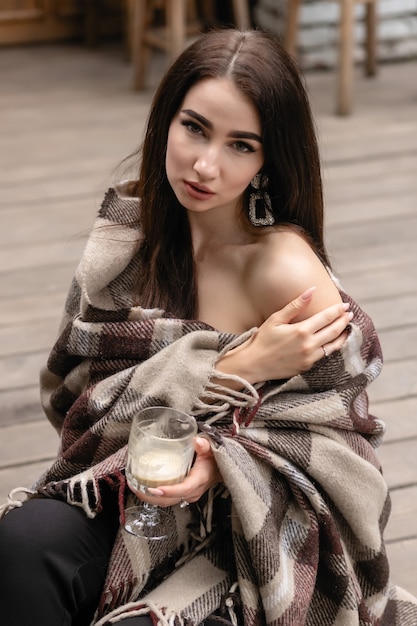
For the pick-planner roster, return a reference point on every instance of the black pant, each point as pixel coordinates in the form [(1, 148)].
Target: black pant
[(53, 563)]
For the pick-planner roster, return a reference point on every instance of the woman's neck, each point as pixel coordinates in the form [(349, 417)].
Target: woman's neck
[(210, 233)]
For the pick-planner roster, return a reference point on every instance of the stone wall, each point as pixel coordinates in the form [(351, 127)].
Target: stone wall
[(318, 33)]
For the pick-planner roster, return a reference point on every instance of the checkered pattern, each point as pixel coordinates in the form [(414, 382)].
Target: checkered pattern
[(295, 535)]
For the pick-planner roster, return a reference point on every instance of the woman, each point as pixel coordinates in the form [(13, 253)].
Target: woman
[(181, 299)]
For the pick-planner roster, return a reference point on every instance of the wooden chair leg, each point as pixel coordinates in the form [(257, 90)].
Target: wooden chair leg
[(208, 13), (176, 30), (345, 62), (175, 23), (371, 43), (345, 68), (241, 13), (137, 10), (291, 31), (92, 13)]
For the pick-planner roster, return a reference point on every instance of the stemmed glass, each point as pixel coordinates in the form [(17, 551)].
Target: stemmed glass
[(160, 452)]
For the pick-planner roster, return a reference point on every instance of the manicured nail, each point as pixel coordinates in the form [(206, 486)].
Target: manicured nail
[(307, 294), (154, 491), (350, 315), (346, 305)]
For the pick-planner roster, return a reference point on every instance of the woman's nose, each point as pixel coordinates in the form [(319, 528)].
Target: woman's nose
[(207, 164)]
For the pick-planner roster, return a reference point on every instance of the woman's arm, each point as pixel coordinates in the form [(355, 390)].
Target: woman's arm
[(281, 348), (292, 337)]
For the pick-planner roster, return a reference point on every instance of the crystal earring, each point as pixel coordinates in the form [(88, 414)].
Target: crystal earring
[(260, 208)]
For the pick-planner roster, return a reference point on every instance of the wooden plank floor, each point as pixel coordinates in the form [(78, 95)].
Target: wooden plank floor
[(68, 117)]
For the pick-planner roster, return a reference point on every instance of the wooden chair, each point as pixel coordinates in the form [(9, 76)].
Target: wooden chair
[(180, 20), (346, 45)]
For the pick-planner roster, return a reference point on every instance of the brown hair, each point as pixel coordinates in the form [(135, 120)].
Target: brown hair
[(259, 66)]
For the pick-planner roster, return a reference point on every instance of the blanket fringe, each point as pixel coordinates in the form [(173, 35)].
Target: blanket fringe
[(219, 399), (83, 492), (245, 415), (230, 603), (133, 609), (13, 502), (206, 526), (159, 615)]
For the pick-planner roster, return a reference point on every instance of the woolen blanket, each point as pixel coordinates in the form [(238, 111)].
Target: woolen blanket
[(294, 535)]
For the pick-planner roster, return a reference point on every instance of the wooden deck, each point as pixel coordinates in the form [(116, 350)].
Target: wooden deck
[(68, 117)]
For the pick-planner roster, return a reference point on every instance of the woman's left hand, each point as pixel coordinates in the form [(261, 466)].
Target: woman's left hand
[(203, 475)]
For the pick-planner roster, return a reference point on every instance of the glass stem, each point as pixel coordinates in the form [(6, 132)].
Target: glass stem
[(150, 513)]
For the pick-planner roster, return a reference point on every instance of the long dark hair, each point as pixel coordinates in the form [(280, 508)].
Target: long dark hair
[(259, 66)]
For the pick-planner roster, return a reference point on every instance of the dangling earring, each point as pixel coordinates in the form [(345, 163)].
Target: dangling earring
[(259, 200)]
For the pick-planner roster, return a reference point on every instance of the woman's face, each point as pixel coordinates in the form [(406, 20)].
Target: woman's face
[(214, 147)]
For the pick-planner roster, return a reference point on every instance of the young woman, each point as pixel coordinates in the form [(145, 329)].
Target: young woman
[(181, 299)]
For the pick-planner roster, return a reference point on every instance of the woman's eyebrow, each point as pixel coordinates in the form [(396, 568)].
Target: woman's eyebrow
[(205, 122), (236, 134), (243, 134)]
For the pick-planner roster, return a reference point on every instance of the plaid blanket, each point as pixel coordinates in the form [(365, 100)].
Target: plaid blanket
[(294, 535)]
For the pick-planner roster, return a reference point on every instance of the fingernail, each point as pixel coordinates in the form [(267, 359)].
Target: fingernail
[(307, 294), (350, 315), (346, 305), (154, 491)]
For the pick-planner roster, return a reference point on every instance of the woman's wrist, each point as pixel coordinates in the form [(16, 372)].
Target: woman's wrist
[(237, 362)]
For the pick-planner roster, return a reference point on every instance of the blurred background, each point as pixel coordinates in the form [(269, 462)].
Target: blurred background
[(76, 81)]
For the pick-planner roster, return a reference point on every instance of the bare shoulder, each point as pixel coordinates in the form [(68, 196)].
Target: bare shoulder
[(284, 266)]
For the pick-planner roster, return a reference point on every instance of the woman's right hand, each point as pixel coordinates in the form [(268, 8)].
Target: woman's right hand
[(281, 348)]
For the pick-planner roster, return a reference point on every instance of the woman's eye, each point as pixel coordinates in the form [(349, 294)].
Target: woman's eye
[(193, 127), (241, 146)]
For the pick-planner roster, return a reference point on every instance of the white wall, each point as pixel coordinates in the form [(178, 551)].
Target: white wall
[(318, 34)]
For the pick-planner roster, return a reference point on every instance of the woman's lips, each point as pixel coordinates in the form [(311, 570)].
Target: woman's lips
[(198, 192)]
